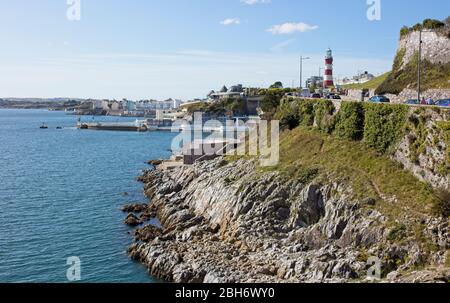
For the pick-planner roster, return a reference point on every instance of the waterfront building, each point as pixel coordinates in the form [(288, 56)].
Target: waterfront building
[(235, 91), (359, 79), (314, 81)]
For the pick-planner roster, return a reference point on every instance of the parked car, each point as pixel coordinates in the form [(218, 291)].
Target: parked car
[(305, 93), (379, 99), (316, 96), (412, 102), (443, 102), (334, 97)]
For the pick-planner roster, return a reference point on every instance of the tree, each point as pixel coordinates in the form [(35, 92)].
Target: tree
[(447, 21), (272, 100), (432, 24), (417, 27), (404, 31), (288, 115), (277, 84)]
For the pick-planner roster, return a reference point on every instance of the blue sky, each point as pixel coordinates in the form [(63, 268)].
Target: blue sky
[(184, 48)]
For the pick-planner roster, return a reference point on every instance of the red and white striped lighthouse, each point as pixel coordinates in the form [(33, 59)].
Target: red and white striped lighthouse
[(328, 79)]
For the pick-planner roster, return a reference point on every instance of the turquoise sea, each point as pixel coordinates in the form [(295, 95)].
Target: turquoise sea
[(60, 196)]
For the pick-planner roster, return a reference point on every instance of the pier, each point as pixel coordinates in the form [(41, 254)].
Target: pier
[(130, 127)]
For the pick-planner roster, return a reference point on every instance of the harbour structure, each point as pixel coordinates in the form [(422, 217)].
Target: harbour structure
[(138, 126)]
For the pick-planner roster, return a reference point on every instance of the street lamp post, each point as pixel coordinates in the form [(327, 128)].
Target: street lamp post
[(301, 71)]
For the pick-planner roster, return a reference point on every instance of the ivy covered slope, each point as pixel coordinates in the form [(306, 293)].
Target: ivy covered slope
[(363, 144), (435, 58)]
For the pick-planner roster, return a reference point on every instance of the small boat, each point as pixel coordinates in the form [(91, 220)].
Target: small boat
[(43, 126), (59, 127)]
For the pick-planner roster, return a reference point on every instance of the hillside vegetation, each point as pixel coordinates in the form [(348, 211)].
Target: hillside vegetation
[(236, 106), (372, 84), (433, 75), (441, 27), (308, 154), (355, 144)]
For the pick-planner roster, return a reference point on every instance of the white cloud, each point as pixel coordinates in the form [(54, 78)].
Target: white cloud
[(231, 21), (291, 28), (253, 2)]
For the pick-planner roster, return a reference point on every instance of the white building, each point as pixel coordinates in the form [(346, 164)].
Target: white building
[(177, 103), (236, 91), (359, 79)]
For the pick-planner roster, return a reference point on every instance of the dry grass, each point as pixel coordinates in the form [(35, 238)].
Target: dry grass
[(307, 154)]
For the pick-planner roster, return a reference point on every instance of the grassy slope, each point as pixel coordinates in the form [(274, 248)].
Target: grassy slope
[(372, 84), (308, 155), (433, 76)]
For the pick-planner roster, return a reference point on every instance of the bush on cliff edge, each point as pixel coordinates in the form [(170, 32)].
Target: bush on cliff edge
[(384, 125), (350, 121)]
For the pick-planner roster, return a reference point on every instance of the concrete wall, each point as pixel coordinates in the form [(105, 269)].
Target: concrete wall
[(355, 95)]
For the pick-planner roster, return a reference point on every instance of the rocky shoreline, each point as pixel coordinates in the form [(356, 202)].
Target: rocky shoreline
[(227, 222)]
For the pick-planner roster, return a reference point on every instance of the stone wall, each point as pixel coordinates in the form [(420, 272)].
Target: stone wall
[(406, 94), (435, 48)]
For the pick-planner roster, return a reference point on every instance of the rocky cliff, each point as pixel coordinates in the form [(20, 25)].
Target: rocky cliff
[(401, 84), (230, 222), (424, 149)]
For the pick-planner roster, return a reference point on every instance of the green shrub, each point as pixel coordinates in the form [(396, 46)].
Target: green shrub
[(271, 101), (432, 24), (324, 118), (426, 24), (288, 115), (442, 205), (444, 127), (404, 31), (418, 138), (306, 112), (306, 175), (384, 124), (350, 121), (397, 233)]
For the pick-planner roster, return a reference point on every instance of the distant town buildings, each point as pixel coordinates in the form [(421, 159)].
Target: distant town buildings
[(314, 82), (235, 91), (127, 107), (177, 103), (360, 78)]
